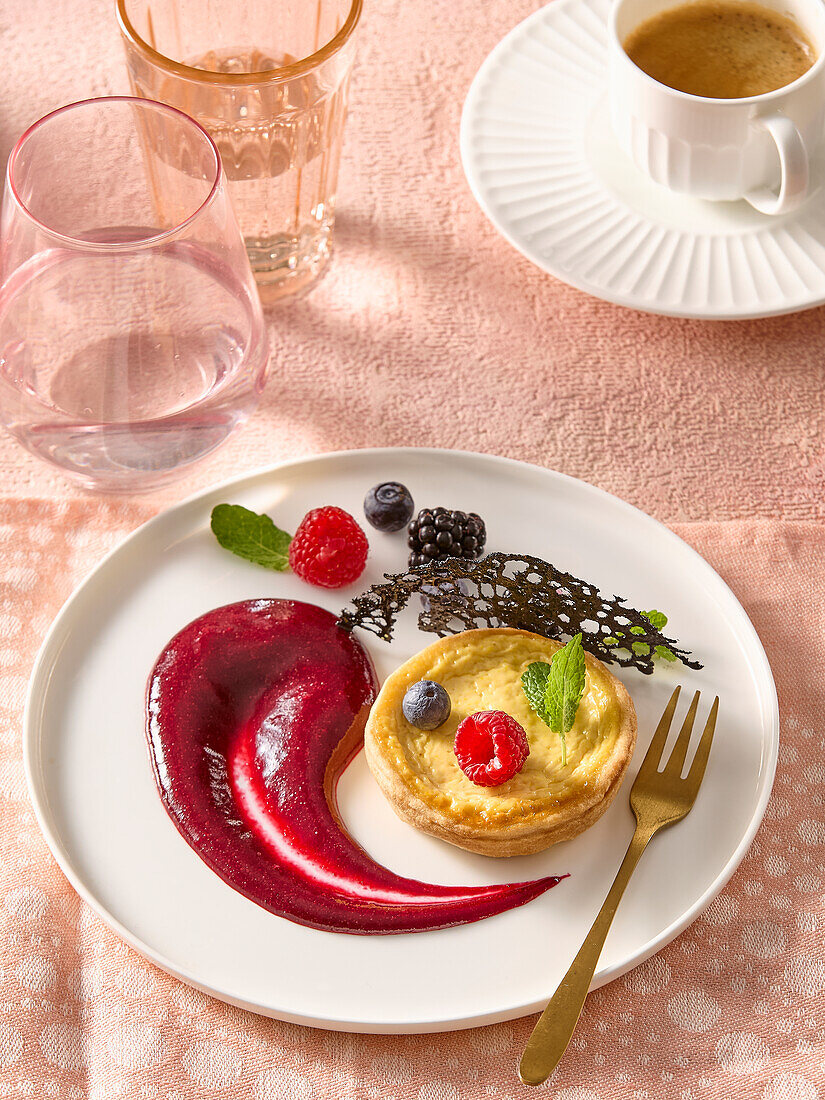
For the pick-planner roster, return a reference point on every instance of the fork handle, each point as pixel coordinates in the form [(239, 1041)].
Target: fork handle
[(557, 1023)]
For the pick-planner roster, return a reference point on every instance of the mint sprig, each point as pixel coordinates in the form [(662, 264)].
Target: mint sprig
[(554, 690), (534, 681), (251, 536), (658, 620)]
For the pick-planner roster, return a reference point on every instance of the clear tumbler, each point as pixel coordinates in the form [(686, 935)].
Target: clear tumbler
[(269, 81), (131, 335)]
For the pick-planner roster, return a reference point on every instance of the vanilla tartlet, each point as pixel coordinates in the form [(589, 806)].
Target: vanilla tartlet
[(545, 802)]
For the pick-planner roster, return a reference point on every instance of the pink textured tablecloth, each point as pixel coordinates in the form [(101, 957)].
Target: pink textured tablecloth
[(430, 330), (733, 1008)]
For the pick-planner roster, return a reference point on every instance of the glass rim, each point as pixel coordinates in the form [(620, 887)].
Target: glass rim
[(206, 76), (114, 246)]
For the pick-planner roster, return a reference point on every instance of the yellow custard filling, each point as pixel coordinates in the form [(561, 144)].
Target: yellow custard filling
[(481, 670)]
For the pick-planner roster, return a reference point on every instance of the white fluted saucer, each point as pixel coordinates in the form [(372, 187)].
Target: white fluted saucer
[(541, 160)]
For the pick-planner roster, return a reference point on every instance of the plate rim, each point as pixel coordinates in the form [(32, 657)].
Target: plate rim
[(614, 298), (54, 639)]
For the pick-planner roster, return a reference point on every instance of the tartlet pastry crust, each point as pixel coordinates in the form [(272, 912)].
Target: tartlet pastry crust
[(543, 804)]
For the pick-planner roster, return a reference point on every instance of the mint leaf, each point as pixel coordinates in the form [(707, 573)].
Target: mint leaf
[(251, 536), (554, 691), (565, 687), (657, 619), (534, 681)]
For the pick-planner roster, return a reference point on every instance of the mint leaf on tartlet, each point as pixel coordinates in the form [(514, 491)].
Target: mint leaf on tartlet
[(565, 685), (554, 690), (534, 681), (251, 536)]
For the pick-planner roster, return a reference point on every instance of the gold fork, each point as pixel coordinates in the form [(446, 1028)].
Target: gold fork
[(657, 798)]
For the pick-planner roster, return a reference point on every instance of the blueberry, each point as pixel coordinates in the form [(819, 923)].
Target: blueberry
[(389, 506), (426, 705)]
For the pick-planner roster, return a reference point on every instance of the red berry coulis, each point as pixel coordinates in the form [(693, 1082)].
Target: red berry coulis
[(254, 711)]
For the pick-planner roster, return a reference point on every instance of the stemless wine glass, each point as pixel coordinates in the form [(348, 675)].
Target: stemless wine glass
[(270, 82), (132, 340)]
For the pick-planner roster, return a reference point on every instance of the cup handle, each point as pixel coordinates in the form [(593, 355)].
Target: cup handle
[(793, 162)]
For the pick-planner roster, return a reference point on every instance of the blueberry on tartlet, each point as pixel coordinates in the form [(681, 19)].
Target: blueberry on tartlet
[(426, 705)]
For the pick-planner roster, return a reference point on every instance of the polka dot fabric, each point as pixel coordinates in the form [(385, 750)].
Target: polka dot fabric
[(734, 1008)]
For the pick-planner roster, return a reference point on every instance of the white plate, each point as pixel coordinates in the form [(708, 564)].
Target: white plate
[(96, 801), (541, 160)]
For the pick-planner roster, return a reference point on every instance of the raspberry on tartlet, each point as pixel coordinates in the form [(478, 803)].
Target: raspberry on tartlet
[(490, 747)]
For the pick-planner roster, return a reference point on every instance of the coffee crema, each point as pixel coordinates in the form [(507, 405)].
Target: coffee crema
[(721, 50)]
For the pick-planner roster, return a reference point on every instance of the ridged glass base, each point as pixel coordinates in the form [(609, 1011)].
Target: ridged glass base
[(289, 266)]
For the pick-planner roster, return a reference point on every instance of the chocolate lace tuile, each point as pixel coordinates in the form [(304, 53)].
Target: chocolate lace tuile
[(515, 590)]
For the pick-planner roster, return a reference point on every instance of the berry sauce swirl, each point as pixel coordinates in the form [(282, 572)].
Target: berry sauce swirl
[(253, 712)]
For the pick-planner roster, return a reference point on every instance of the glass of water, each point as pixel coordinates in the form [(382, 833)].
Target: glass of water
[(132, 340), (269, 81)]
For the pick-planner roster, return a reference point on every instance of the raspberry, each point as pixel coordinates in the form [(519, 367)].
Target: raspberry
[(491, 747), (329, 548)]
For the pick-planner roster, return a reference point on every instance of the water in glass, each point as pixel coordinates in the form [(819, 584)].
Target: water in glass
[(131, 336)]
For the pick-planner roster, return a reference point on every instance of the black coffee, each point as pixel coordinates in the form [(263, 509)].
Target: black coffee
[(721, 50)]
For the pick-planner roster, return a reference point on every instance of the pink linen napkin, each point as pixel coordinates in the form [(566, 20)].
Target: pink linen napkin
[(734, 1008)]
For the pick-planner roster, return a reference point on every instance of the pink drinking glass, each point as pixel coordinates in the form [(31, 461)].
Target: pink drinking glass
[(132, 340)]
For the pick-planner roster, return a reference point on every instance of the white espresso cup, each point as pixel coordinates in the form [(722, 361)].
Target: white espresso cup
[(756, 148)]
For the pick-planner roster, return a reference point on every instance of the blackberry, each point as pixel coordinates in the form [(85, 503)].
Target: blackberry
[(439, 533)]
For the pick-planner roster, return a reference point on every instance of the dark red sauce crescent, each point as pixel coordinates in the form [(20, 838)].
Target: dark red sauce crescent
[(254, 711)]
